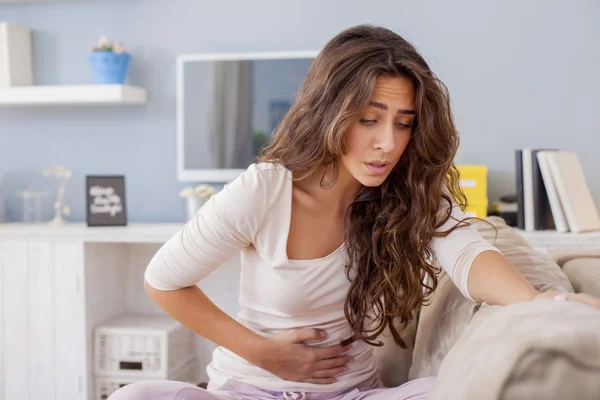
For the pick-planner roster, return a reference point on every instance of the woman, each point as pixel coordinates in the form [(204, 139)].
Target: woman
[(338, 224)]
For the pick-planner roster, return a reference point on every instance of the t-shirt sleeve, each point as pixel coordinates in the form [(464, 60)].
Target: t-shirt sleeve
[(226, 224), (456, 252)]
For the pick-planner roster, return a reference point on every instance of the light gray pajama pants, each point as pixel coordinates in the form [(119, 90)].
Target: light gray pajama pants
[(171, 390)]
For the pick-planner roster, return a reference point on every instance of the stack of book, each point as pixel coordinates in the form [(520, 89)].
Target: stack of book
[(552, 192)]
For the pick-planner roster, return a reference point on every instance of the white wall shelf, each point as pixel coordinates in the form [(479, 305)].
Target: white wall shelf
[(72, 95)]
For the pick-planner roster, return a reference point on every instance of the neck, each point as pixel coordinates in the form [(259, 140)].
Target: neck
[(340, 195)]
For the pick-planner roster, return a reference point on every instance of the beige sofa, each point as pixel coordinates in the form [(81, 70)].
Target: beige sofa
[(536, 350)]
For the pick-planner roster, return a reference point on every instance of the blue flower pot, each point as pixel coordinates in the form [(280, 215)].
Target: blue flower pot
[(109, 67)]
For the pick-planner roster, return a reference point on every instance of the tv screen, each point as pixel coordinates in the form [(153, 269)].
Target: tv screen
[(232, 107)]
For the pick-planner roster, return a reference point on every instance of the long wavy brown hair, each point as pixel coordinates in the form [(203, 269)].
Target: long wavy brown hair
[(389, 227)]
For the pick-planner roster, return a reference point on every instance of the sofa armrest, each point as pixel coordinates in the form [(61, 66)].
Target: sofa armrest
[(582, 267), (564, 255), (584, 274)]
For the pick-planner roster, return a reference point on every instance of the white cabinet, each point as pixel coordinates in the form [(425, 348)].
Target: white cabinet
[(58, 283), (42, 319)]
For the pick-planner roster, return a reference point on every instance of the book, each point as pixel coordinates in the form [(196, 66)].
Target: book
[(558, 215), (520, 194), (529, 212), (533, 204), (573, 192), (542, 215)]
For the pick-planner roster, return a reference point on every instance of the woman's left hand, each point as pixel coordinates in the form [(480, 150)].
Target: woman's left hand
[(562, 296)]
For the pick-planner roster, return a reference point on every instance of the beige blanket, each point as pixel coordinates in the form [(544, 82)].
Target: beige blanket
[(536, 350)]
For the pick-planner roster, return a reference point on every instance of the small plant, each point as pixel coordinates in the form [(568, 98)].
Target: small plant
[(109, 62), (104, 44)]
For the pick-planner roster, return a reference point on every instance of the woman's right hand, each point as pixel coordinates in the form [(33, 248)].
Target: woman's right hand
[(286, 356)]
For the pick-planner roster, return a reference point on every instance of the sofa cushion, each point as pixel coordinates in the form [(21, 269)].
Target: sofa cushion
[(440, 325), (393, 362), (442, 322), (535, 350), (582, 266)]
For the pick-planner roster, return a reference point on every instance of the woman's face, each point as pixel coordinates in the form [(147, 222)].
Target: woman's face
[(376, 142)]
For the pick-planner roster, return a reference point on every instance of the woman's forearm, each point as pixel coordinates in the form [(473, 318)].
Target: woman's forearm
[(494, 280), (192, 308)]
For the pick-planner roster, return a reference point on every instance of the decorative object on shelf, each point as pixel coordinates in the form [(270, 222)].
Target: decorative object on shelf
[(196, 198), (16, 67), (106, 201), (32, 205), (59, 208), (109, 62), (473, 181)]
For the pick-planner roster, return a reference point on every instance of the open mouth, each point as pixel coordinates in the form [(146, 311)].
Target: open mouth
[(377, 168)]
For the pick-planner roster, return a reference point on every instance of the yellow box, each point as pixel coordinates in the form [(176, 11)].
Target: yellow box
[(478, 210), (473, 181)]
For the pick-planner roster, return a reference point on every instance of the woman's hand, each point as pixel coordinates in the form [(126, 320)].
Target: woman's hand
[(286, 356), (562, 296)]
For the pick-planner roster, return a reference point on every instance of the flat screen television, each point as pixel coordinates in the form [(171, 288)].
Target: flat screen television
[(228, 106)]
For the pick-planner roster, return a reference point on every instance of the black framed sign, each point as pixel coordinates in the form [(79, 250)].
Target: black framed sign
[(106, 200)]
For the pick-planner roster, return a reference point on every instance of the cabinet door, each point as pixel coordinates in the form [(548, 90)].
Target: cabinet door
[(69, 327), (43, 352), (14, 352)]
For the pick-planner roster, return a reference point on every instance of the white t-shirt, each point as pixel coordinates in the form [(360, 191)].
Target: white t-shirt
[(252, 215)]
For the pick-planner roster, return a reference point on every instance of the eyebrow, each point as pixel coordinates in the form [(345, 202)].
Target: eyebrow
[(384, 107)]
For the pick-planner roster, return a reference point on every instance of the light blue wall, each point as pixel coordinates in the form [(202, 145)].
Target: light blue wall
[(521, 73)]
